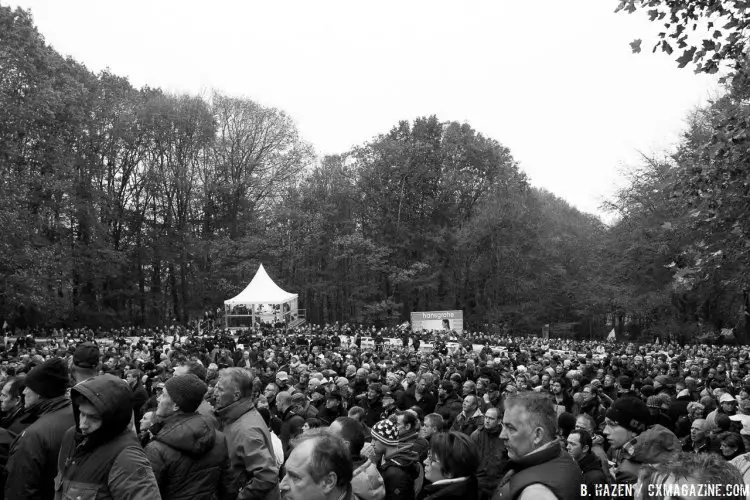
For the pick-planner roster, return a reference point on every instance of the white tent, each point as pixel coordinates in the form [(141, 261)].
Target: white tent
[(261, 300)]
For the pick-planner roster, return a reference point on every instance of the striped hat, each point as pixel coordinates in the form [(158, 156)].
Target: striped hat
[(386, 432)]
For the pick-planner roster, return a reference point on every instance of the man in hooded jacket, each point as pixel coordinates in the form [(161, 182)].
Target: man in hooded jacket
[(254, 468), (32, 464), (188, 455), (101, 456)]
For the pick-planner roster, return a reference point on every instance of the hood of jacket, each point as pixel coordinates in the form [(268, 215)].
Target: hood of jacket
[(189, 433), (112, 398), (402, 458)]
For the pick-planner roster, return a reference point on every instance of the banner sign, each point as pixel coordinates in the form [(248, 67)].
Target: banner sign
[(367, 343), (426, 347), (438, 320)]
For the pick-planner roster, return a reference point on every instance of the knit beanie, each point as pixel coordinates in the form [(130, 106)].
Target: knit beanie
[(386, 432), (49, 379), (186, 391), (647, 390), (629, 412), (566, 422)]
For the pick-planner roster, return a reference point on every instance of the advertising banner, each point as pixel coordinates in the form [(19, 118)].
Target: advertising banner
[(438, 320)]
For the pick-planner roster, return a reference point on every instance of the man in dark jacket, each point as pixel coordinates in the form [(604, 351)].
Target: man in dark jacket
[(373, 404), (254, 469), (418, 395), (291, 420), (493, 457), (101, 456), (11, 405), (579, 446), (470, 418), (333, 408), (449, 405), (139, 395), (32, 464), (394, 386), (307, 410), (188, 455)]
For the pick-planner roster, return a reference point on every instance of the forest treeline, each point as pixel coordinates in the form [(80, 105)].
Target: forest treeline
[(125, 206)]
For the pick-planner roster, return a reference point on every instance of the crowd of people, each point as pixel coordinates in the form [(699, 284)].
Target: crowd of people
[(313, 414)]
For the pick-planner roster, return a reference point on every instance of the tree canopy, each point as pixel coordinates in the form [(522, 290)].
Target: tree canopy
[(136, 206)]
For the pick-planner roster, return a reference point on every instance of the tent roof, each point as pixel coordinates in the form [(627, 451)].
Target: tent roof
[(261, 290)]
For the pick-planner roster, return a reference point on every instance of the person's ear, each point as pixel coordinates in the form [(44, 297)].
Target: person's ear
[(537, 435)]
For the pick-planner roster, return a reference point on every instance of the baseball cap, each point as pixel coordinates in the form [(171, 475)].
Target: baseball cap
[(86, 355)]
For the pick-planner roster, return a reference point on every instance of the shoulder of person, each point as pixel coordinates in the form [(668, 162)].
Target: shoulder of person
[(537, 491)]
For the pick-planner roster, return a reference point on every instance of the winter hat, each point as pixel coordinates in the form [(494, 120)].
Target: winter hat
[(653, 402), (725, 398), (629, 412), (186, 391), (386, 432), (566, 422), (86, 355), (49, 379), (663, 381), (647, 390)]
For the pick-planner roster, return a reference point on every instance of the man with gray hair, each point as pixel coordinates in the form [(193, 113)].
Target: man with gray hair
[(319, 467), (540, 468), (254, 469)]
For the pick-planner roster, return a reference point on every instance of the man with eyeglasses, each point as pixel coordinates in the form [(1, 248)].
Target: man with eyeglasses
[(493, 457)]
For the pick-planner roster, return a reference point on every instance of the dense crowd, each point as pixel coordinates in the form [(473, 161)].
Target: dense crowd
[(313, 414)]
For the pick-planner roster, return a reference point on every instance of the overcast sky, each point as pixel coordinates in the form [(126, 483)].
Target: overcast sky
[(555, 81)]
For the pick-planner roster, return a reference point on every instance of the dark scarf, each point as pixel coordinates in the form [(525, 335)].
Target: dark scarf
[(40, 408)]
